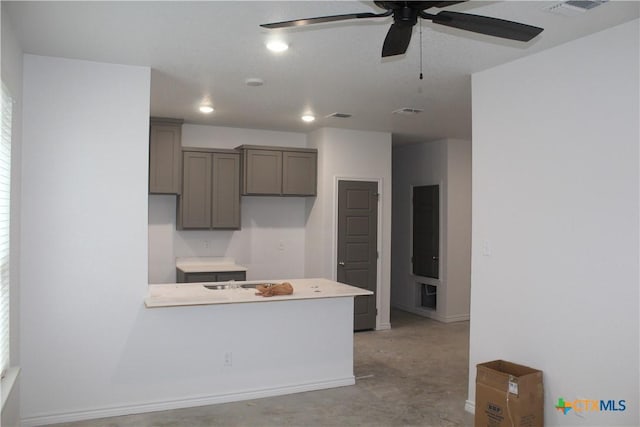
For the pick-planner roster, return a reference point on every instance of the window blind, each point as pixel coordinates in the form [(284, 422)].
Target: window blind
[(5, 193)]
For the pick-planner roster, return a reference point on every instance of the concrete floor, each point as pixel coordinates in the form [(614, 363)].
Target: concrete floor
[(412, 375)]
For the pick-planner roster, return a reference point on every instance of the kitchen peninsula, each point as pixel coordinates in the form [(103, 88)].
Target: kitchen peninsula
[(233, 292), (262, 346)]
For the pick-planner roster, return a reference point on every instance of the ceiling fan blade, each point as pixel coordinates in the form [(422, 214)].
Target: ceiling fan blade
[(397, 40), (323, 19), (485, 25)]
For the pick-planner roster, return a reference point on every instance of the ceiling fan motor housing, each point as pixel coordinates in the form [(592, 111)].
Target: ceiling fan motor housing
[(404, 13), (405, 16)]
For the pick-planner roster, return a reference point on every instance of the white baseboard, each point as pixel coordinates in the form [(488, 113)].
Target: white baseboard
[(457, 318), (46, 419), (383, 326), (470, 406), (433, 314), (7, 383)]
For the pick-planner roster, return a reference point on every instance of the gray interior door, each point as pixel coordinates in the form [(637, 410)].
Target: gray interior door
[(426, 231), (357, 245)]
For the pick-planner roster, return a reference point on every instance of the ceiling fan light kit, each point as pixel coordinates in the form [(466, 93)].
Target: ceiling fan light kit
[(405, 16)]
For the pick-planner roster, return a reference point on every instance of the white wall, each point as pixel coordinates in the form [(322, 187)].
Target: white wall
[(355, 155), (446, 163), (458, 243), (225, 137), (84, 228), (11, 70), (555, 202), (271, 241)]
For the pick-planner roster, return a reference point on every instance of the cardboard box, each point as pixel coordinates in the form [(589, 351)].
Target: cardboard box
[(508, 395)]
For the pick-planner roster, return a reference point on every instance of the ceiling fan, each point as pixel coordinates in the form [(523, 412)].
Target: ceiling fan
[(406, 13)]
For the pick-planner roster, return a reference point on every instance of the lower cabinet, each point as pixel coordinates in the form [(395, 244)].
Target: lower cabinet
[(210, 190), (221, 276)]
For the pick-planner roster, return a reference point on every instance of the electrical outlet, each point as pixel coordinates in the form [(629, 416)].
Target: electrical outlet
[(205, 243), (228, 359)]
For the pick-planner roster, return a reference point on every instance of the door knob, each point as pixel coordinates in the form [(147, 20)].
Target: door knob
[(341, 263)]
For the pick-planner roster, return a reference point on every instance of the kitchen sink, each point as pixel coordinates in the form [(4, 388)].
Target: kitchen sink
[(218, 287), (225, 286), (253, 285)]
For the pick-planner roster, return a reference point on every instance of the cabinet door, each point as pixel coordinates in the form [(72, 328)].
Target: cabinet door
[(195, 202), (165, 158), (232, 275), (200, 277), (226, 191), (262, 172), (299, 173)]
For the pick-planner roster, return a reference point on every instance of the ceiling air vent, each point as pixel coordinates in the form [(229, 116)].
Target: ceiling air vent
[(339, 115), (407, 111), (574, 7)]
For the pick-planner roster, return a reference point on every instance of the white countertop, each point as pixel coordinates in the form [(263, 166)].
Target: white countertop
[(180, 294), (208, 265)]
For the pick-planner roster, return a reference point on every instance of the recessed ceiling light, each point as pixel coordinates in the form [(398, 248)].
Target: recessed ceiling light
[(206, 109), (308, 118), (277, 46)]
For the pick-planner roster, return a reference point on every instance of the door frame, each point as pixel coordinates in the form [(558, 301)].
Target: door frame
[(334, 235)]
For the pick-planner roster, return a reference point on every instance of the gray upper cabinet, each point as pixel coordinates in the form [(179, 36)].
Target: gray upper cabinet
[(210, 190), (278, 171), (165, 156), (225, 190), (262, 172), (299, 173), (194, 206)]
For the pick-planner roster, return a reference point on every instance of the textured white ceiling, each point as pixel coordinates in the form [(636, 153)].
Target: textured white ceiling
[(208, 49)]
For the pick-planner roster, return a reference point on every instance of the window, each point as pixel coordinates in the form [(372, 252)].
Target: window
[(5, 192)]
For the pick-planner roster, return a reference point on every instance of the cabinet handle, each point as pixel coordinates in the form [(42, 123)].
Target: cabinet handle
[(341, 263), (435, 258)]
